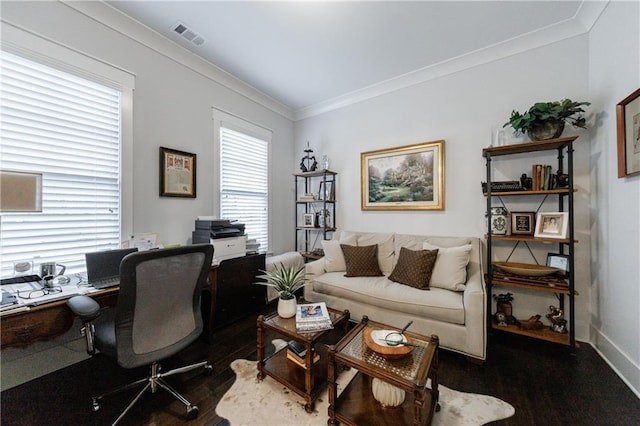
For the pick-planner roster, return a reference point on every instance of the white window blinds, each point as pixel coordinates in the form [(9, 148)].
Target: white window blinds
[(68, 129), (244, 182)]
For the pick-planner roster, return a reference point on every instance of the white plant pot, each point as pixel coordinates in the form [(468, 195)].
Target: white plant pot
[(287, 308), (387, 395)]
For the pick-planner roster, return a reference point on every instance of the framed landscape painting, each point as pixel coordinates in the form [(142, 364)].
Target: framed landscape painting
[(409, 177)]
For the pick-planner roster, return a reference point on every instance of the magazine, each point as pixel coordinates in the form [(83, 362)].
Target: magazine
[(312, 317)]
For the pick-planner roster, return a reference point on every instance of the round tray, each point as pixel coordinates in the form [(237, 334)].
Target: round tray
[(525, 269), (389, 352)]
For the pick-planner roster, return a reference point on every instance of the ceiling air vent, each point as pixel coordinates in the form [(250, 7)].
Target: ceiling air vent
[(188, 34)]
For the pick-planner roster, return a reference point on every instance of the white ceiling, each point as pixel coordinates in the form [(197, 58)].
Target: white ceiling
[(308, 53)]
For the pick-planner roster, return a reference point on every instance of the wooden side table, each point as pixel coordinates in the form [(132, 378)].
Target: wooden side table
[(307, 382), (356, 404)]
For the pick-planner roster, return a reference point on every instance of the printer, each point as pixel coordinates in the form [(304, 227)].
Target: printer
[(226, 236)]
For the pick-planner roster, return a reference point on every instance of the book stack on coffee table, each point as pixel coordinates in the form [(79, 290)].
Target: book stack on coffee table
[(296, 353)]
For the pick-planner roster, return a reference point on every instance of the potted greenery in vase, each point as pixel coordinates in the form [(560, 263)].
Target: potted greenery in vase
[(503, 304), (285, 280), (546, 120)]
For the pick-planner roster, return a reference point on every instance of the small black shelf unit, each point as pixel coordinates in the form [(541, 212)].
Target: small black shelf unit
[(309, 183)]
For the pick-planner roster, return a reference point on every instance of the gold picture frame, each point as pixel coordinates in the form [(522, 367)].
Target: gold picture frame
[(628, 129), (177, 173), (409, 177)]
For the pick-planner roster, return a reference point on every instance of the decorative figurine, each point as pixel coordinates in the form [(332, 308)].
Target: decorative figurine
[(533, 323), (556, 316), (308, 162), (562, 180), (526, 182)]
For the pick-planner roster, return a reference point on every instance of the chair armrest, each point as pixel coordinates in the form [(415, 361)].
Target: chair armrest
[(84, 307)]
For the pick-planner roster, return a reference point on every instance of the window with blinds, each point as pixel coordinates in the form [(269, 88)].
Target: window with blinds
[(244, 182), (68, 129)]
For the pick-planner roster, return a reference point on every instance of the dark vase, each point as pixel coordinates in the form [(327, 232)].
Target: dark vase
[(546, 130)]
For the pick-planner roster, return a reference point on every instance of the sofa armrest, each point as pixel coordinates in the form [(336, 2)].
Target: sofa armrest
[(475, 307), (314, 269)]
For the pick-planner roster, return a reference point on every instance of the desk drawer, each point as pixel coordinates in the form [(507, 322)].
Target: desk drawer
[(26, 327)]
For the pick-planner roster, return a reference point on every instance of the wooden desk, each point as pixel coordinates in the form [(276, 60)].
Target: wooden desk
[(44, 322), (229, 296)]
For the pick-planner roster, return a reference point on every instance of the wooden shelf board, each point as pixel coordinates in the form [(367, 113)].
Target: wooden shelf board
[(528, 238), (537, 287), (313, 228), (316, 173), (545, 334), (559, 191), (525, 147)]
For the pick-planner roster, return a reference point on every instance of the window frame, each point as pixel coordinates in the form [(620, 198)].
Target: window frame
[(225, 119), (35, 48)]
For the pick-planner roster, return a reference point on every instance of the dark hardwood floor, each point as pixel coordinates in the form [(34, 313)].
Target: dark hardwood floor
[(545, 384)]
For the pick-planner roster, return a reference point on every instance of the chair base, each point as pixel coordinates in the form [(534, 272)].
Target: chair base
[(153, 382)]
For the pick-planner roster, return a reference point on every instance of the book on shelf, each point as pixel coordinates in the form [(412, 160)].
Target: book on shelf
[(291, 356), (312, 317), (542, 177)]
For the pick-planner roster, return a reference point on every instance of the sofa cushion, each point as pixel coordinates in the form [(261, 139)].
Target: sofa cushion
[(414, 267), (361, 261), (381, 293), (384, 241), (450, 270), (333, 256)]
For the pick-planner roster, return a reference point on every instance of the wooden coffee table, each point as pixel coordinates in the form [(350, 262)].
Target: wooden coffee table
[(309, 382), (356, 404)]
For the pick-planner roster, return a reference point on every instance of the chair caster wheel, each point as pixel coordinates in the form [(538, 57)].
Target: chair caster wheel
[(208, 369), (96, 405), (192, 412)]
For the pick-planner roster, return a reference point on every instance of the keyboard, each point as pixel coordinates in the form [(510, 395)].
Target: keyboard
[(106, 283), (22, 279)]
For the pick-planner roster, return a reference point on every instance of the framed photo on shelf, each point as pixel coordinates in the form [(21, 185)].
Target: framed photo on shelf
[(326, 191), (522, 223), (177, 173), (408, 177), (309, 220), (552, 225), (559, 261), (628, 129)]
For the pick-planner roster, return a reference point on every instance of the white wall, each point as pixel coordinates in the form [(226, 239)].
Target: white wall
[(614, 73), (172, 108), (462, 108)]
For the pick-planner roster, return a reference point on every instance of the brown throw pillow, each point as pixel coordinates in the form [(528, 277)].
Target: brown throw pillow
[(361, 261), (414, 267)]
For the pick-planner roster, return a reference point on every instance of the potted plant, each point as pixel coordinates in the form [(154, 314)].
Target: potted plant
[(285, 280), (546, 120), (503, 303)]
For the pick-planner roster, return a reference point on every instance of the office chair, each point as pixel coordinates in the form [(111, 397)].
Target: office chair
[(157, 315)]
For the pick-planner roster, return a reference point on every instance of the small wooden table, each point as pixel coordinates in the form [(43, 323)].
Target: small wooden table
[(306, 382), (356, 404)]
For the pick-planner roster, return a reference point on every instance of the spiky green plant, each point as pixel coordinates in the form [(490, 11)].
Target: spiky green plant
[(285, 280)]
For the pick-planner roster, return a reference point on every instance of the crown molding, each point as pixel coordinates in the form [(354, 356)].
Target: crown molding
[(107, 15), (581, 23)]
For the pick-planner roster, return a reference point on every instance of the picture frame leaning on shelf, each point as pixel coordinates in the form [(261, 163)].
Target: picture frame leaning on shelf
[(552, 225)]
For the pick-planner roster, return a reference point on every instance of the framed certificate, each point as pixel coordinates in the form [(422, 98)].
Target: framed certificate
[(559, 261)]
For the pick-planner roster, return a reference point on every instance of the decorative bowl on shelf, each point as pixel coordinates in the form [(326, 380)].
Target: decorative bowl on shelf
[(525, 269)]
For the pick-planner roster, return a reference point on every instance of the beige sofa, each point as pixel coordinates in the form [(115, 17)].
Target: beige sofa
[(454, 307)]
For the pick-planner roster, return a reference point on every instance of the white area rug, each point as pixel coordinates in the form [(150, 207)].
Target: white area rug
[(250, 402)]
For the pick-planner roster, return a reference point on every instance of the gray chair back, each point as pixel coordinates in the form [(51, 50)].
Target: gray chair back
[(158, 311)]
